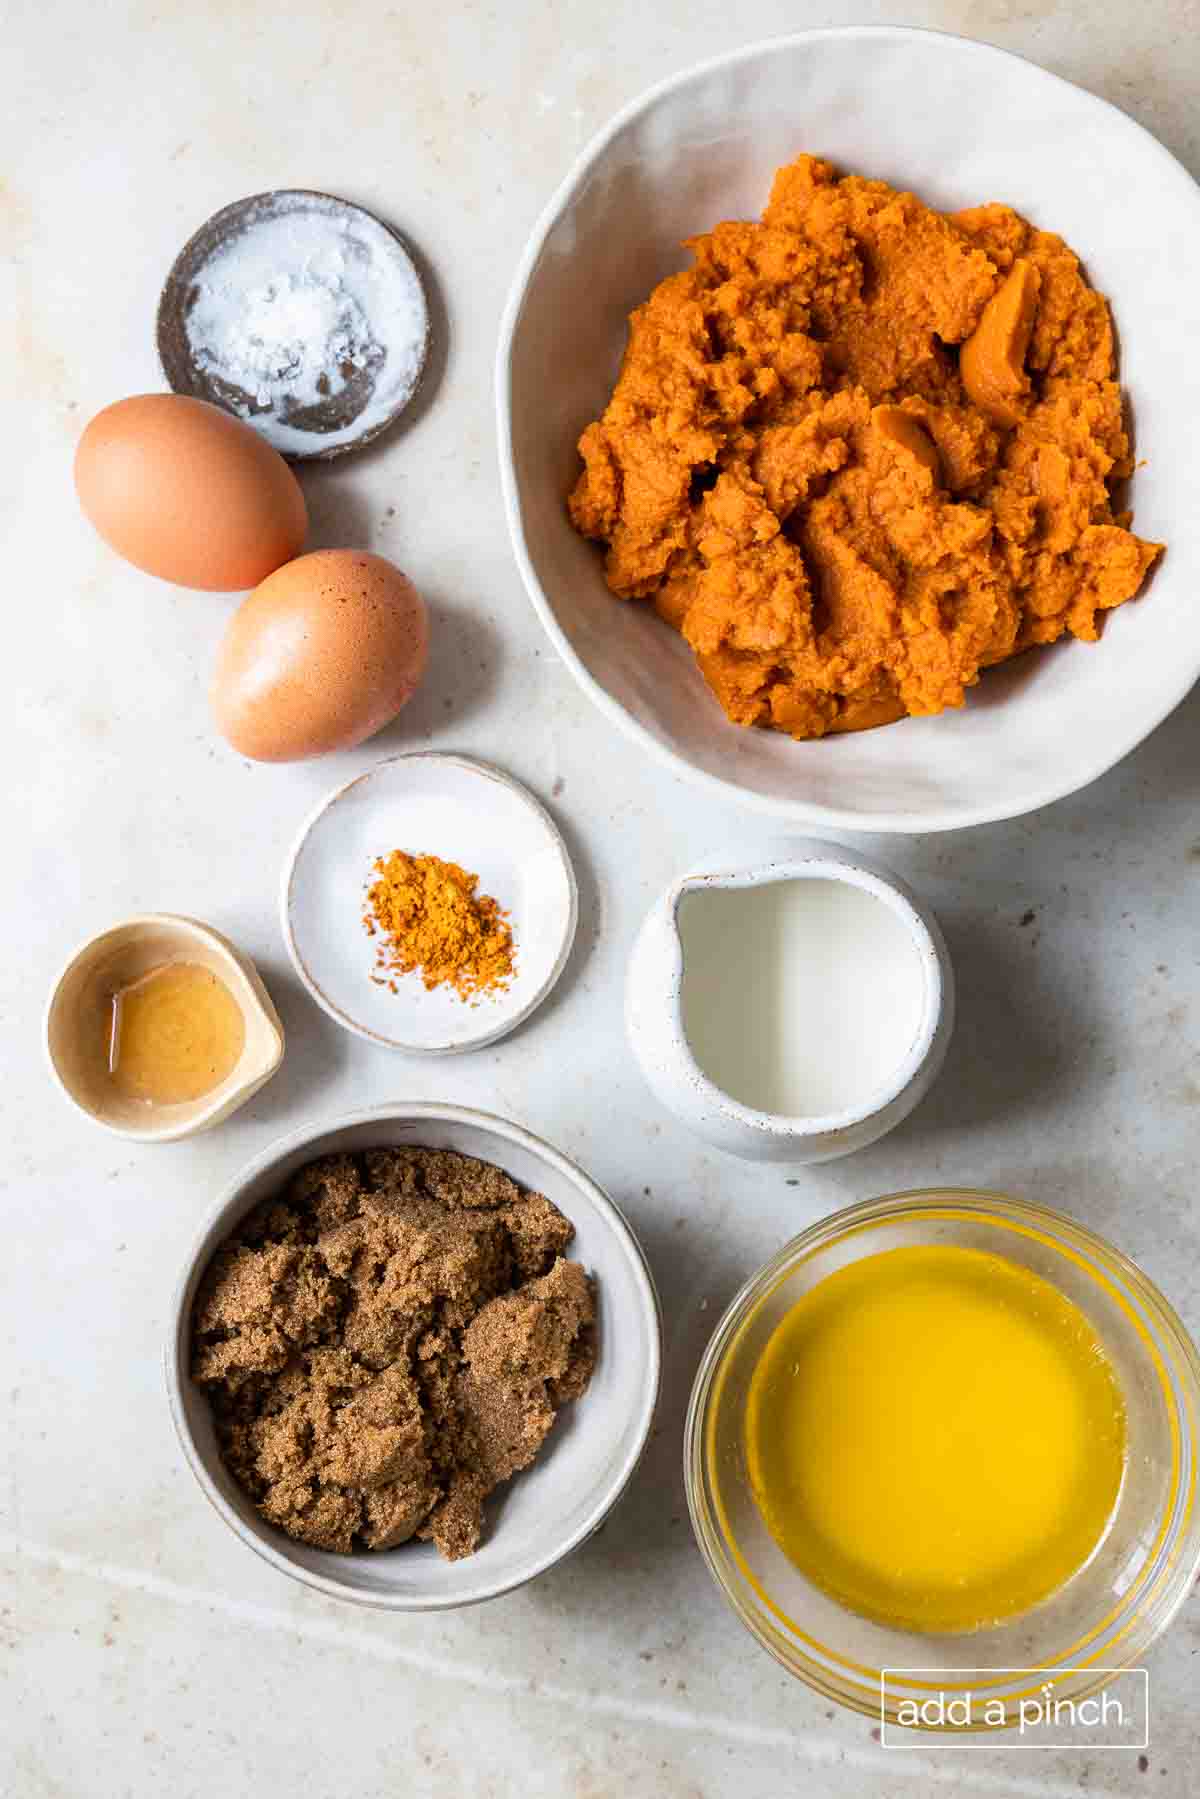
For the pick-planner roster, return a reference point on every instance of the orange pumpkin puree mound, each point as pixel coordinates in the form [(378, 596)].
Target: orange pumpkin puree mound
[(861, 451)]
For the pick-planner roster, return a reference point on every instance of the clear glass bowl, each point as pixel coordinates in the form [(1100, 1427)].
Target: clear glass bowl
[(1106, 1615)]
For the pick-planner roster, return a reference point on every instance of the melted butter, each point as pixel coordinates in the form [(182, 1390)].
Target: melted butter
[(936, 1437), (173, 1035)]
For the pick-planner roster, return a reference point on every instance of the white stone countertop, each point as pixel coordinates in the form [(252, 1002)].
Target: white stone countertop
[(143, 1650)]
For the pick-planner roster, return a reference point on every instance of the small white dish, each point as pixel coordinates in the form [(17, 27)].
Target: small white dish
[(123, 954), (704, 146), (464, 811), (654, 1013), (236, 279), (547, 1511)]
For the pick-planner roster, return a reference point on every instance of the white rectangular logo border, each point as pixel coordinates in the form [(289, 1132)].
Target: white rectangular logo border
[(987, 1735)]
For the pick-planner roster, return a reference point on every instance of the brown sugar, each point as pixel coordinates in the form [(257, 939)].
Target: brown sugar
[(386, 1342), (860, 451)]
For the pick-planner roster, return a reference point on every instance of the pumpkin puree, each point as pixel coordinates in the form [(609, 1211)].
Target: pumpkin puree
[(861, 451)]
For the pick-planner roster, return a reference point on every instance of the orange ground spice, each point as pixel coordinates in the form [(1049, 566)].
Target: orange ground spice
[(432, 921)]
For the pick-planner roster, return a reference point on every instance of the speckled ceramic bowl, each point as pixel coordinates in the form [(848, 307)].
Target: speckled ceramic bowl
[(959, 123), (654, 1012), (465, 811), (544, 1513)]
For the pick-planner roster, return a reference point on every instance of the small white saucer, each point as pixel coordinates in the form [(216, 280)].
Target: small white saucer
[(428, 804)]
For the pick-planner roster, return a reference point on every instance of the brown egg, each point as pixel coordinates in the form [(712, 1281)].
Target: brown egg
[(319, 656), (186, 491)]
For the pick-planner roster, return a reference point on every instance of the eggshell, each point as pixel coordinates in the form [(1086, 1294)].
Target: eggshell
[(321, 655), (186, 491)]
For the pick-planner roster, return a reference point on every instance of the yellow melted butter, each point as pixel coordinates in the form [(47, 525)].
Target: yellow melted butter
[(936, 1437), (174, 1035)]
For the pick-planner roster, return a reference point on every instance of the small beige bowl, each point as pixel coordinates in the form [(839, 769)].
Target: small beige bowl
[(124, 953)]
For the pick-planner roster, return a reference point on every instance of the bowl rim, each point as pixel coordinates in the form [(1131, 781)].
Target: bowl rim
[(453, 1046), (1176, 1576), (947, 818), (261, 1538)]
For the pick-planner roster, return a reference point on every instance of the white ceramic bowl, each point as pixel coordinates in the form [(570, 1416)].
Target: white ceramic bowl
[(542, 1514), (654, 1013), (957, 122), (467, 812)]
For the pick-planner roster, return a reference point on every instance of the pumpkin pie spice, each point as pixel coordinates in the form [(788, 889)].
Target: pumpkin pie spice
[(432, 920)]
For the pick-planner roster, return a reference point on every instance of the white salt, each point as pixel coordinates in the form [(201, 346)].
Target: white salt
[(307, 301)]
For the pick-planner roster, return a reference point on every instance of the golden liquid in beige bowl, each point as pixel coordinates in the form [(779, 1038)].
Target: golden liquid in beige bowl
[(160, 1027), (172, 1035)]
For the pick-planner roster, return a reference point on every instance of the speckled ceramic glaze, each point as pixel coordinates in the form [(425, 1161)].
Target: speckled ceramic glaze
[(558, 1502), (654, 1013), (465, 811), (704, 146)]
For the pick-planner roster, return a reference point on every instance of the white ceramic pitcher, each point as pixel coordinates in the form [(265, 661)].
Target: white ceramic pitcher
[(654, 1012)]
